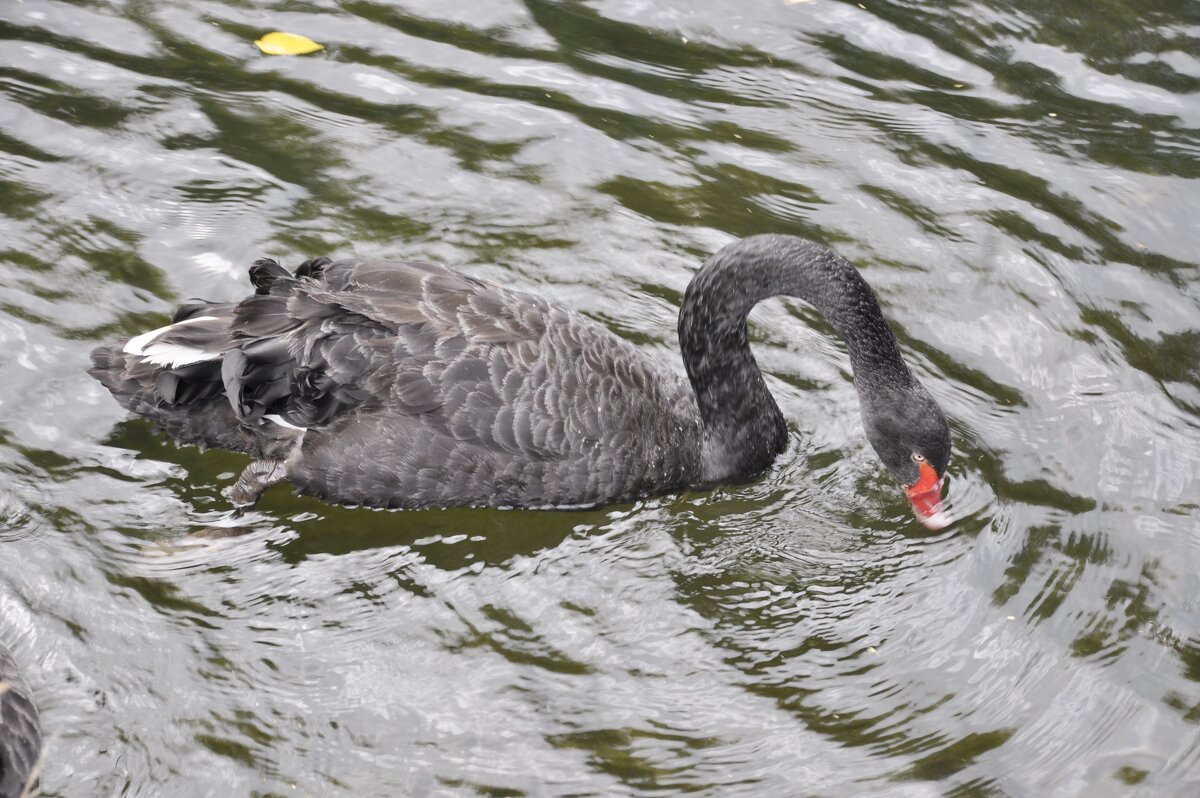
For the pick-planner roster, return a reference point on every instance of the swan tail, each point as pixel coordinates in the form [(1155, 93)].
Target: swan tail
[(220, 375), (250, 376), (172, 376)]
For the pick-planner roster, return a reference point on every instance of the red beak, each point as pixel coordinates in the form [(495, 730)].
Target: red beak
[(926, 499)]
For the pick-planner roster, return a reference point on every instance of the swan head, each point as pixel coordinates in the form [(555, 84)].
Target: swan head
[(911, 437)]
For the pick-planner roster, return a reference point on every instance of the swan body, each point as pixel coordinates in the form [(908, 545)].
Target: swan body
[(20, 733), (411, 385)]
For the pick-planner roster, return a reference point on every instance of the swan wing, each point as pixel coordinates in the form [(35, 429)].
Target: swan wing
[(410, 340)]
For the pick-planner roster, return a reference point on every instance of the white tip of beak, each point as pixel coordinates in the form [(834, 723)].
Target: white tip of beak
[(939, 520)]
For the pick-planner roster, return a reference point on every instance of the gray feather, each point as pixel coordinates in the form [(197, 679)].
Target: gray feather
[(20, 731)]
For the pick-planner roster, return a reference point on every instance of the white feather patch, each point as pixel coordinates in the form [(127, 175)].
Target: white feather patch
[(281, 421), (168, 354), (174, 355)]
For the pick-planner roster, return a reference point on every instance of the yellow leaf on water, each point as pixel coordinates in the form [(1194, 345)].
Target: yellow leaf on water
[(279, 43)]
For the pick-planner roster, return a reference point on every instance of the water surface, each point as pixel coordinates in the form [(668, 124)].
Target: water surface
[(1017, 179)]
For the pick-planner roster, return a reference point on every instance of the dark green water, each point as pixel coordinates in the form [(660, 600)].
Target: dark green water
[(1017, 179)]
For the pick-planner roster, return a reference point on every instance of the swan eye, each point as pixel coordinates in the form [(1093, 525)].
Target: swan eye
[(918, 457)]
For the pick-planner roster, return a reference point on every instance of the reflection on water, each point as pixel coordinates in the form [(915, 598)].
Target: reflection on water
[(1017, 180)]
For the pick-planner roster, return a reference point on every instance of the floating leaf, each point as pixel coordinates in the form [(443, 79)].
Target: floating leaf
[(279, 43)]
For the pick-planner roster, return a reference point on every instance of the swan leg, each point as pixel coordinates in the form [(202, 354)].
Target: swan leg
[(255, 479)]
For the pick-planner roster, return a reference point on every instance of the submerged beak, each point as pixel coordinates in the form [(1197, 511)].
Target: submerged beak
[(926, 499)]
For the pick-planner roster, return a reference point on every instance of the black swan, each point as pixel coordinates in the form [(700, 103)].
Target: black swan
[(411, 385), (20, 734)]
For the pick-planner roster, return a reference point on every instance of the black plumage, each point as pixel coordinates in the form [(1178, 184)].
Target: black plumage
[(20, 732), (411, 385)]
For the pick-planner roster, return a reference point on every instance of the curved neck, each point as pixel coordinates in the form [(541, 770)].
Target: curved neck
[(743, 428)]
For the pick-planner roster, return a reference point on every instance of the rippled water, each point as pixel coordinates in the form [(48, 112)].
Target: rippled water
[(1017, 179)]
